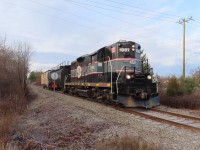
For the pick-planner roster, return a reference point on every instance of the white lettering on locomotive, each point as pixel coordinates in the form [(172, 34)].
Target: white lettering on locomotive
[(99, 64), (78, 71), (124, 49), (92, 68), (132, 61)]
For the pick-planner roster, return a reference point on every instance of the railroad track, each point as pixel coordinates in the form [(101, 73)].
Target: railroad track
[(177, 115), (165, 117)]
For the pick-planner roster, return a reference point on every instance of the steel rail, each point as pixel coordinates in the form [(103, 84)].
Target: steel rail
[(162, 120), (175, 114)]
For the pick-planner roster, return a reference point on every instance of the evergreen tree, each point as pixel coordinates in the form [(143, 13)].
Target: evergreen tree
[(32, 77), (146, 65)]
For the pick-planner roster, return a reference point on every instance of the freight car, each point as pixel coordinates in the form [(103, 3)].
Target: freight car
[(61, 70), (45, 79), (114, 73)]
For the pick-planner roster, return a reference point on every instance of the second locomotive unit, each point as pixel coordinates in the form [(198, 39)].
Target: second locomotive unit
[(114, 73)]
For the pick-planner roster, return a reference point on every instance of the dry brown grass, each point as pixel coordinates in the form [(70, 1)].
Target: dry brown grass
[(128, 143), (186, 101), (6, 124), (10, 108)]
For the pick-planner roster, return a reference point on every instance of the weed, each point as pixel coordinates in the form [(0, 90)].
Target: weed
[(128, 143)]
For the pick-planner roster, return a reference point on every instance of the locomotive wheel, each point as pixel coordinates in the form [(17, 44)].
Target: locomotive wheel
[(71, 90), (98, 95), (66, 89), (91, 93)]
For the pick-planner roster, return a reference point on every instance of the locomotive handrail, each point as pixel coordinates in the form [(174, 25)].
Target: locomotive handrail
[(111, 75), (118, 78), (157, 82)]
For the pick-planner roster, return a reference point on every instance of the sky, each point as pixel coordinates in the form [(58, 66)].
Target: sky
[(62, 30)]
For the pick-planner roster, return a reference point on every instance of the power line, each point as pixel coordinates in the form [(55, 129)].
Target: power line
[(84, 18), (142, 8), (127, 32), (65, 20), (197, 21), (167, 15), (138, 11), (124, 21), (195, 28), (118, 11), (195, 25), (96, 29)]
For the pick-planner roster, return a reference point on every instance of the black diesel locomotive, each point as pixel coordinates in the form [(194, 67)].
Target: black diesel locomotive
[(114, 73)]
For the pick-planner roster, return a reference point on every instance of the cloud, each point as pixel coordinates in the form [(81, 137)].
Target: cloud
[(65, 29), (38, 66)]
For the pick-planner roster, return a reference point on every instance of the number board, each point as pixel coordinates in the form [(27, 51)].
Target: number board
[(124, 49)]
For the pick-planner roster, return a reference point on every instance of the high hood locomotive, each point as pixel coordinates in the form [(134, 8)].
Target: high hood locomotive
[(114, 73)]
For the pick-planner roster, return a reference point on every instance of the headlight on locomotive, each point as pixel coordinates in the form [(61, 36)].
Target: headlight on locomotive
[(128, 76), (133, 47), (149, 77)]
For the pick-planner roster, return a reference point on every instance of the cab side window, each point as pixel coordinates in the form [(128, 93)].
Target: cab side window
[(100, 55), (108, 54)]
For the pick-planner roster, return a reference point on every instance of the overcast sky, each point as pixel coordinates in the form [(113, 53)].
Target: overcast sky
[(62, 30)]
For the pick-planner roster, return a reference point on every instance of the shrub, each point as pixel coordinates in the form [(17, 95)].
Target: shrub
[(180, 93), (189, 84), (180, 87), (35, 77), (174, 87)]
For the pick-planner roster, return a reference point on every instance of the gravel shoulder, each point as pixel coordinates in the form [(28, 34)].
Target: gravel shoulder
[(57, 121)]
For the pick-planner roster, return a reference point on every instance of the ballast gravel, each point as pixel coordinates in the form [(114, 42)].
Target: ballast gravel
[(57, 121)]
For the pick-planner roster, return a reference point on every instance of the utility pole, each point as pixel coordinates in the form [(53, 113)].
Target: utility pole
[(183, 21)]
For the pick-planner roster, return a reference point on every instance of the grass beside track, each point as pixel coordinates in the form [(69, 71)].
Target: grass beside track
[(10, 109), (128, 143), (186, 101)]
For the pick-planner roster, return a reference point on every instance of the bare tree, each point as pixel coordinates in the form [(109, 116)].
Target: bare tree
[(23, 55), (14, 67), (6, 66)]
